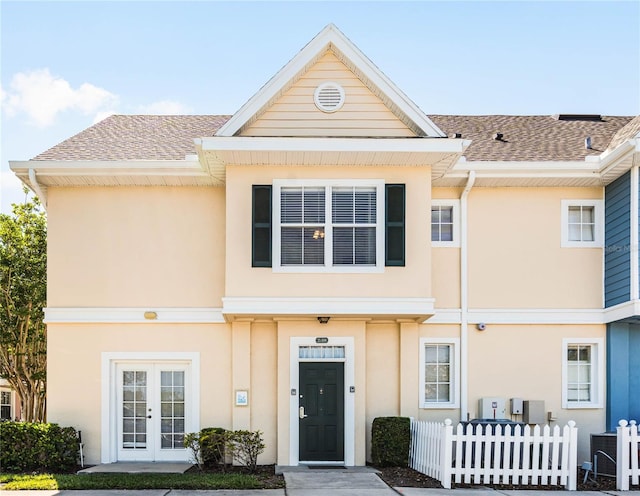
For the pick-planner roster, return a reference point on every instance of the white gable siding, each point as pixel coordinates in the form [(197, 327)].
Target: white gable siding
[(295, 114)]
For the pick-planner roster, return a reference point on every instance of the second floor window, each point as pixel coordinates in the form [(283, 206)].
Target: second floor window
[(582, 223), (441, 223), (328, 225)]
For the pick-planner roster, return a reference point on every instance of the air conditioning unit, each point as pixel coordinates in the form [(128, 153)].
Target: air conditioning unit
[(603, 450)]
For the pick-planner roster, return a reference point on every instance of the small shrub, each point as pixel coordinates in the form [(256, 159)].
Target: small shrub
[(390, 441), (37, 447), (244, 447), (192, 442), (212, 446)]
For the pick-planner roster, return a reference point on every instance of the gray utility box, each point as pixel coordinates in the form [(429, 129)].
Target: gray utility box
[(533, 412)]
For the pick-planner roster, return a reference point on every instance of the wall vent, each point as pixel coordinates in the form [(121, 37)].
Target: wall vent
[(329, 97)]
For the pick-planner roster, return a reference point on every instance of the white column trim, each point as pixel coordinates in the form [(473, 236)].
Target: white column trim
[(633, 253)]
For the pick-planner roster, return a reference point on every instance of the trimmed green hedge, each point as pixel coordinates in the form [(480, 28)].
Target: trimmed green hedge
[(390, 441), (37, 447)]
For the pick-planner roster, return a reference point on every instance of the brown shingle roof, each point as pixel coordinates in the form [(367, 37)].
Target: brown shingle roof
[(137, 137), (530, 138), (631, 130), (525, 138)]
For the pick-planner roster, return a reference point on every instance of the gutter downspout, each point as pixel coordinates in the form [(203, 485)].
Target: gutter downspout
[(464, 298), (37, 189)]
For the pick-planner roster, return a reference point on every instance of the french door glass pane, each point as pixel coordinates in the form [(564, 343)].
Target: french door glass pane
[(134, 409), (172, 409)]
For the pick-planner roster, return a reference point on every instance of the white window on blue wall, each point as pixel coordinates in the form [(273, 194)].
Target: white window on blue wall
[(582, 373), (445, 223), (439, 373), (328, 226), (582, 223)]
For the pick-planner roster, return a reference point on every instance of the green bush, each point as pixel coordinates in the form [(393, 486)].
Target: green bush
[(37, 447), (390, 441), (212, 446), (244, 447)]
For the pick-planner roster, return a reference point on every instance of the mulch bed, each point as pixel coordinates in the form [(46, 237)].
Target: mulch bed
[(264, 473), (406, 477)]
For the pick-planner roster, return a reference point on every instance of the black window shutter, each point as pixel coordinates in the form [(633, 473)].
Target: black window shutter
[(261, 227), (394, 224)]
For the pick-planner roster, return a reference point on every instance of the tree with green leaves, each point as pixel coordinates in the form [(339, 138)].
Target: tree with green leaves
[(23, 296)]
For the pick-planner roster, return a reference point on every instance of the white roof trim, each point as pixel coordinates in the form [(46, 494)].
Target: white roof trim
[(330, 35), (254, 144)]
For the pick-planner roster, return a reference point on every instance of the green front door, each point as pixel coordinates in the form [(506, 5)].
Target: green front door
[(321, 411)]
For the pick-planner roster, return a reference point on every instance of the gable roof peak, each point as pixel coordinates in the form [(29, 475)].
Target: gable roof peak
[(331, 38)]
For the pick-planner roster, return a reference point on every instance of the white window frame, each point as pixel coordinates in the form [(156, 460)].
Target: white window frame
[(597, 373), (455, 373), (455, 217), (328, 266), (598, 214)]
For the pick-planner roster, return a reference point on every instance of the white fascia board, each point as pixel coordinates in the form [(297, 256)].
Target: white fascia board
[(525, 170), (364, 307), (104, 315), (107, 167), (330, 35), (261, 144)]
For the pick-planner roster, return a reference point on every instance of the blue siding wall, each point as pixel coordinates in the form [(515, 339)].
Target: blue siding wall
[(623, 373), (617, 262)]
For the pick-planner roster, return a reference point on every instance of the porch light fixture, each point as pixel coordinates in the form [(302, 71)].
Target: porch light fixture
[(323, 320)]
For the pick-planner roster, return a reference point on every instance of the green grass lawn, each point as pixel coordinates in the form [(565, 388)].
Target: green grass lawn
[(139, 481)]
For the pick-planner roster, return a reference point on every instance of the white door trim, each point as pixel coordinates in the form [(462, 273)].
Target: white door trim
[(349, 397), (109, 360)]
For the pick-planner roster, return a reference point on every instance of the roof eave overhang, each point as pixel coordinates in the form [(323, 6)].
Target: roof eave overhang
[(111, 172), (219, 152), (398, 309), (595, 171)]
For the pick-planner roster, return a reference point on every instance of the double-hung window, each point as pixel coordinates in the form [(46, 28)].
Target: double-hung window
[(582, 373), (328, 226), (439, 373)]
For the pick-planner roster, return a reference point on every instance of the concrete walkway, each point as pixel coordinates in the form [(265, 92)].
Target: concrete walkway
[(339, 482)]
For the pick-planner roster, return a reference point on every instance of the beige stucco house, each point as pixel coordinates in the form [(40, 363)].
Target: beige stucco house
[(327, 255)]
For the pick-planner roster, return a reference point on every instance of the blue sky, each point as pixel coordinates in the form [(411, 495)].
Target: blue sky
[(65, 65)]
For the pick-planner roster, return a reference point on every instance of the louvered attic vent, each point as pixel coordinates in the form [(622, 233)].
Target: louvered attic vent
[(329, 97)]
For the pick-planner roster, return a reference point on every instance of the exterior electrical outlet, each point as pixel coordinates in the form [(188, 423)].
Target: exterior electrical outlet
[(491, 408)]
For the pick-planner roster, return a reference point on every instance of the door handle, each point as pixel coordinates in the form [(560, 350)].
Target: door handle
[(148, 416), (301, 413)]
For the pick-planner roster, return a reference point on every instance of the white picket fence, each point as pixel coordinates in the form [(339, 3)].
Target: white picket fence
[(628, 453), (495, 454)]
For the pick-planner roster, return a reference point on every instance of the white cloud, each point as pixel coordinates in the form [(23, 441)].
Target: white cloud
[(42, 96), (165, 107)]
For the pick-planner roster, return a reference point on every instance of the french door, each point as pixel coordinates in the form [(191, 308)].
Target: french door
[(152, 405)]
